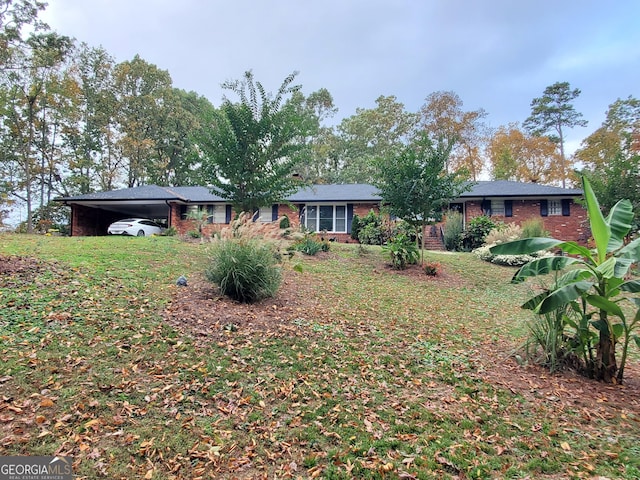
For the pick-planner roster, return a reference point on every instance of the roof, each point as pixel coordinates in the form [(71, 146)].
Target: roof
[(354, 192), (507, 188)]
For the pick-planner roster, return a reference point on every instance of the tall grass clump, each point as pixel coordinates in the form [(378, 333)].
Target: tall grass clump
[(244, 269), (453, 230), (533, 228)]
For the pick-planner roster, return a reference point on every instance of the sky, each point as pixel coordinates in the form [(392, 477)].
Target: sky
[(497, 55)]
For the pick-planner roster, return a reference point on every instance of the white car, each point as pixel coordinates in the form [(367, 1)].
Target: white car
[(137, 227)]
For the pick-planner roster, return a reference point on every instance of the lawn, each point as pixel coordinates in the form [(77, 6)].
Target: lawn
[(353, 371)]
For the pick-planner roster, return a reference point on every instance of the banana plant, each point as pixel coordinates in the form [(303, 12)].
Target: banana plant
[(596, 277)]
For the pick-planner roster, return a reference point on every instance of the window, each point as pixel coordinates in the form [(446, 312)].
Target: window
[(329, 218), (555, 207), (214, 213), (497, 207)]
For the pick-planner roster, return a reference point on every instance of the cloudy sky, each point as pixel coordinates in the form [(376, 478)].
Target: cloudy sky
[(495, 54)]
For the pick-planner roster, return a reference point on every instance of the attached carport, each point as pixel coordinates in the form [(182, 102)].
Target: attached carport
[(92, 213)]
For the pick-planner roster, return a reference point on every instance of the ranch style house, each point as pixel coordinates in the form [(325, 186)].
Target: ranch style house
[(326, 208)]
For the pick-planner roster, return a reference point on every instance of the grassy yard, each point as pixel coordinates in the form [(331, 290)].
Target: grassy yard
[(384, 375)]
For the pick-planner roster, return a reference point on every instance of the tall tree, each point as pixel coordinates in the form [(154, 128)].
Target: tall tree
[(368, 135), (515, 155), (611, 156), (252, 148), (26, 118), (415, 184), (463, 132), (551, 114), (14, 16), (90, 128), (142, 92)]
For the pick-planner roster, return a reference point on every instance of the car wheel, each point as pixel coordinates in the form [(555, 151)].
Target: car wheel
[(141, 233)]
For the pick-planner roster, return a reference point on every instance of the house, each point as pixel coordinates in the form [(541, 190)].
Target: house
[(327, 208)]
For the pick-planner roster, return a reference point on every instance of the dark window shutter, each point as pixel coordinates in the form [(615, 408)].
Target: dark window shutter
[(566, 207), (349, 216), (508, 208), (274, 212), (544, 208), (301, 215), (228, 213), (486, 207)]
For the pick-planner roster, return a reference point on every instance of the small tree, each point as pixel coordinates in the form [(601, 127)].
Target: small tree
[(593, 284), (415, 185), (252, 148)]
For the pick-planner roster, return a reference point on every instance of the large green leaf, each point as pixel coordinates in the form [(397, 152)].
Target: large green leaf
[(599, 228), (619, 220), (533, 302), (632, 286), (622, 266), (525, 246), (542, 266), (631, 251), (605, 304), (607, 268), (562, 296), (572, 248), (574, 275)]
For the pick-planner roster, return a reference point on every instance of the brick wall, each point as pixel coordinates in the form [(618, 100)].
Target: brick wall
[(87, 221), (572, 227), (293, 212)]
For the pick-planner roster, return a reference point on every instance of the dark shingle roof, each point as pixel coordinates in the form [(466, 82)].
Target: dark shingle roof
[(350, 192), (506, 188), (357, 192)]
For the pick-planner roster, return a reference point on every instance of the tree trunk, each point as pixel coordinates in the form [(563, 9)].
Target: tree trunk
[(605, 368)]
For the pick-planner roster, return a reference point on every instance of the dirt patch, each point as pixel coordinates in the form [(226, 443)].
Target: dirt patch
[(14, 265), (199, 311)]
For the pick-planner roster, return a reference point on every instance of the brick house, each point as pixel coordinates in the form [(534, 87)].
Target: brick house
[(328, 208)]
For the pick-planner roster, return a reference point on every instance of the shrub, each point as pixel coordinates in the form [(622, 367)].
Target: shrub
[(453, 230), (310, 244), (477, 230), (484, 253), (170, 232), (285, 223), (402, 251), (356, 225), (194, 234), (533, 228), (432, 268), (245, 270), (370, 235)]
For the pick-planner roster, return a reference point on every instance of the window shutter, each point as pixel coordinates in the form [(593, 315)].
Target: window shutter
[(227, 214), (566, 207), (544, 208), (508, 208), (274, 212), (349, 216), (486, 207), (301, 214)]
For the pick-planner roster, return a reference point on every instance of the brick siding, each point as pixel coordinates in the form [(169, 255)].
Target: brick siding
[(573, 227)]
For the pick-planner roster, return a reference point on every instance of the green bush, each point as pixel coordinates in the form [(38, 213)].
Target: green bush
[(245, 270), (402, 251), (170, 232), (453, 230), (311, 244), (370, 235), (477, 231), (356, 225), (285, 223)]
